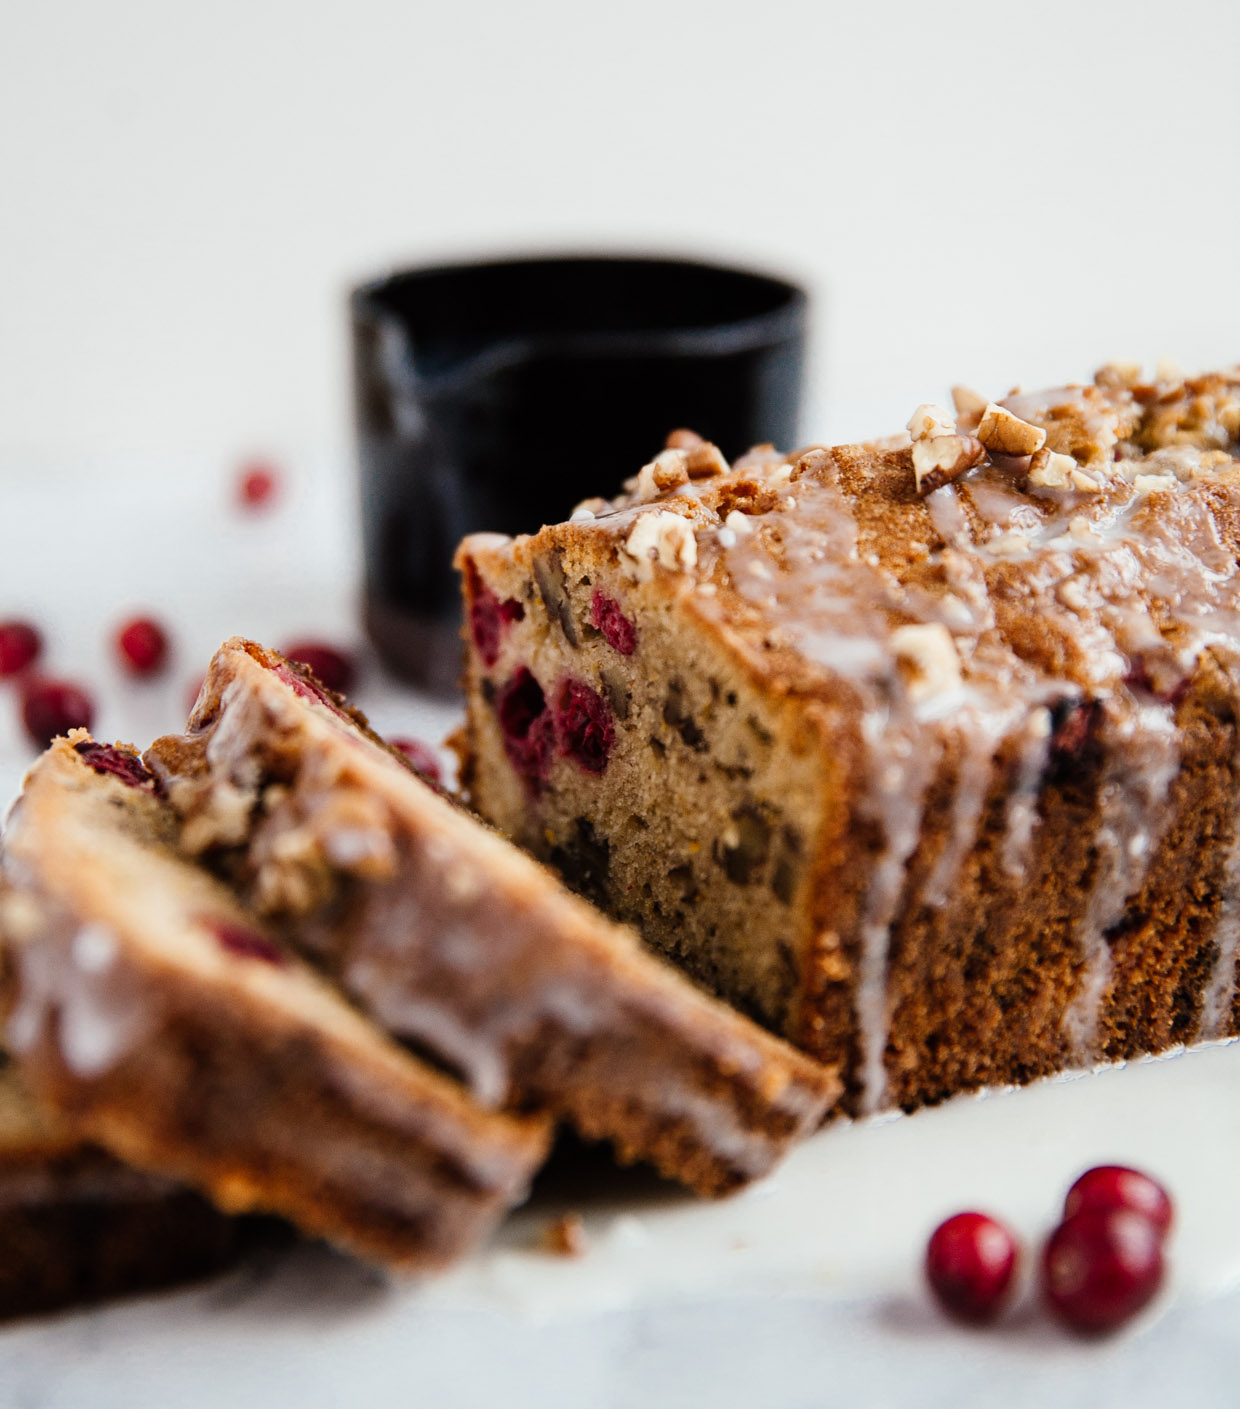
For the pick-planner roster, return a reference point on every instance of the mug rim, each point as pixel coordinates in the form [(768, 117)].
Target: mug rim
[(782, 321)]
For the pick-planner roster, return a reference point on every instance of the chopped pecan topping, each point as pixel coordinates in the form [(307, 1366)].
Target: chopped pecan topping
[(944, 458), (1005, 434)]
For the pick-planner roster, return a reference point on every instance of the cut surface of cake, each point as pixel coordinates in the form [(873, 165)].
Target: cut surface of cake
[(77, 1226), (461, 944), (924, 752), (160, 1019)]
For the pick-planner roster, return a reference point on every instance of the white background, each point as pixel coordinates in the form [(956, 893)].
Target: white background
[(976, 191)]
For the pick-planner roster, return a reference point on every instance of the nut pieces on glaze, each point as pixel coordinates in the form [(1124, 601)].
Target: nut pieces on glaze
[(940, 455)]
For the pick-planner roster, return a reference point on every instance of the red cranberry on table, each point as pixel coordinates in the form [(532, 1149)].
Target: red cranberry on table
[(1115, 1186), (52, 707), (20, 644), (970, 1262), (257, 485), (421, 756), (1100, 1267), (332, 667), (142, 645)]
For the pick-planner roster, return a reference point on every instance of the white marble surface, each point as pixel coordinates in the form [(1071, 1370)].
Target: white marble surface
[(804, 1291)]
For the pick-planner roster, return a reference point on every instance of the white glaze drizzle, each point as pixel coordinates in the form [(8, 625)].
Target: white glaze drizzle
[(1021, 810), (1220, 991), (901, 772), (834, 606), (1142, 759)]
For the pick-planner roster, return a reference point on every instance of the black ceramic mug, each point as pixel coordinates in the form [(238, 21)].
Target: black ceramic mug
[(496, 396)]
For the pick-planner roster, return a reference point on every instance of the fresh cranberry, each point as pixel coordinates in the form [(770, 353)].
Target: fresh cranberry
[(257, 485), (244, 942), (143, 646), (120, 763), (528, 727), (583, 725), (488, 617), (421, 756), (20, 644), (52, 707), (618, 631), (1101, 1267), (331, 667), (1114, 1186), (970, 1262)]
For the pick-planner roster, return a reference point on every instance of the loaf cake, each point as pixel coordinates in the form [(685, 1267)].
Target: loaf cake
[(922, 752), (462, 945), (77, 1226), (155, 1016)]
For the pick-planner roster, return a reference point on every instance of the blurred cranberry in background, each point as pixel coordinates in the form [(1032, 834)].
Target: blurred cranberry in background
[(421, 755), (51, 707), (970, 1261), (1111, 1186), (1101, 1267), (142, 645), (258, 485), (20, 644), (333, 668)]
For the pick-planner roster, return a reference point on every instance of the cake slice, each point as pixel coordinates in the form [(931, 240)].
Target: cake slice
[(924, 753), (159, 1019), (460, 944), (77, 1226)]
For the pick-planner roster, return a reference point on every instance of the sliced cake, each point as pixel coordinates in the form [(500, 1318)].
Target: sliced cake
[(925, 753), (462, 945), (77, 1226), (160, 1020)]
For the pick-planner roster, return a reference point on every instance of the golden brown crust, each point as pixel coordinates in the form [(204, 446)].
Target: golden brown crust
[(456, 941), (1006, 643), (225, 1064)]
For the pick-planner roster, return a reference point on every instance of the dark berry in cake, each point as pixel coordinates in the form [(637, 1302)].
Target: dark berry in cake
[(244, 942), (257, 485), (333, 668), (52, 707), (120, 763), (584, 725), (421, 756), (1115, 1186), (20, 644), (488, 617), (970, 1262), (1101, 1267), (616, 629), (1076, 740), (527, 725), (142, 645)]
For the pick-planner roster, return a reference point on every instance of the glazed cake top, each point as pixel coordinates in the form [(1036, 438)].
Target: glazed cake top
[(1032, 581), (1069, 541)]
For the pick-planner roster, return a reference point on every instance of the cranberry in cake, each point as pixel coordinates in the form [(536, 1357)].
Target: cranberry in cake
[(459, 943), (925, 753), (158, 1018)]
